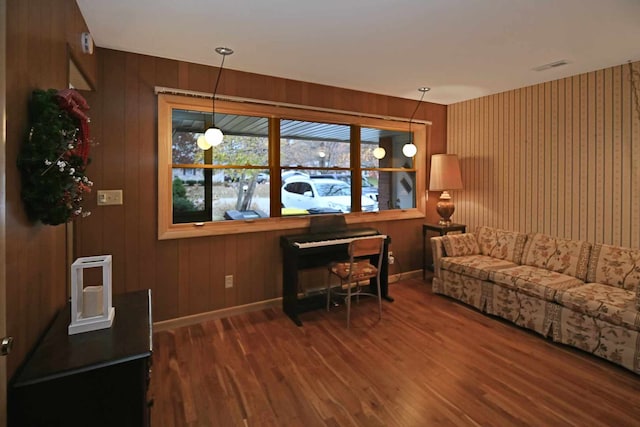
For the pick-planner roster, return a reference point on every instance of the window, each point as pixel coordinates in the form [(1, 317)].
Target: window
[(277, 166), (224, 183)]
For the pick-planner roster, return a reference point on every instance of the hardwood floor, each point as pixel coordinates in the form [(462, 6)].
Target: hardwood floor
[(430, 361)]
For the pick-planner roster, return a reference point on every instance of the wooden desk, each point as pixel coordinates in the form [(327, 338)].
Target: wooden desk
[(441, 230), (97, 378)]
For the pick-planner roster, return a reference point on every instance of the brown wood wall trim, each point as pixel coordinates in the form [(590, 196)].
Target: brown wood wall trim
[(187, 275), (559, 158)]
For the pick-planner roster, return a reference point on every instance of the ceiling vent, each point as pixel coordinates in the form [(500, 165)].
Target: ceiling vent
[(555, 64)]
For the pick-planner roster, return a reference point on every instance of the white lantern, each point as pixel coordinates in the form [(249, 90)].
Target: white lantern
[(91, 306)]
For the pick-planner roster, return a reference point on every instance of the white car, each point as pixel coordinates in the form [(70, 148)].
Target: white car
[(302, 192)]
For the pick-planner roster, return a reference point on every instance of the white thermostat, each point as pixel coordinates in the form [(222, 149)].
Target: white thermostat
[(86, 41)]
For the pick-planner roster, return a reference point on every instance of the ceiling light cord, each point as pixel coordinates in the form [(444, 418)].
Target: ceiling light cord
[(414, 114), (214, 136), (215, 90), (410, 148)]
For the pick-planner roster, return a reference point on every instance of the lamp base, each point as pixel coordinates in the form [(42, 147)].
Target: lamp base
[(445, 208)]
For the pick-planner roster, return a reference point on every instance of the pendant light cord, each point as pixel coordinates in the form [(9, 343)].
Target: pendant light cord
[(414, 114), (215, 90)]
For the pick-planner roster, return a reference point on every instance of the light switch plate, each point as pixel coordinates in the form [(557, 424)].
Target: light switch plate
[(109, 197), (228, 281)]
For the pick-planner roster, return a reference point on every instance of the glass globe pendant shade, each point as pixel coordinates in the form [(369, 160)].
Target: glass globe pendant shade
[(409, 150), (213, 136), (379, 153), (202, 143)]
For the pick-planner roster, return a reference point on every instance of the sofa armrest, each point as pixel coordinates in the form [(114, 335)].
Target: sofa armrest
[(437, 252)]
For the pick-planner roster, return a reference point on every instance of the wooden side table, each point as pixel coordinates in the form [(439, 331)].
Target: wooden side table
[(441, 230)]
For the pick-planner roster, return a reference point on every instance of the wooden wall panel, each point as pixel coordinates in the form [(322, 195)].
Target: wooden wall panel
[(559, 157), (38, 33), (187, 276)]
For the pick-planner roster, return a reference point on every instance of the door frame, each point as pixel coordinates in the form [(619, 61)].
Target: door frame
[(3, 206)]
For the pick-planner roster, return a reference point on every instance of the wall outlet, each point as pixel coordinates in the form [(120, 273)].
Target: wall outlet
[(391, 258), (109, 197), (228, 281)]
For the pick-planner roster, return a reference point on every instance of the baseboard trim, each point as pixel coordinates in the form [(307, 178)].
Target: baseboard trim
[(414, 274), (215, 314), (193, 319)]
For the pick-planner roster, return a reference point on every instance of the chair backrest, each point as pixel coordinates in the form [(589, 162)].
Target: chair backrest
[(366, 246)]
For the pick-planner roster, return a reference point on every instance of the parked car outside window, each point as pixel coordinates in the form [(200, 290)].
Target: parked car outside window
[(369, 190), (262, 177), (302, 192)]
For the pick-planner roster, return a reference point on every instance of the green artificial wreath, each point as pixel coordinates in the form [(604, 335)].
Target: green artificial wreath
[(54, 156)]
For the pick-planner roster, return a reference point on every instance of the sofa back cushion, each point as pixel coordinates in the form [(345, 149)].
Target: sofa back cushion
[(564, 256), (615, 266), (502, 244), (460, 244)]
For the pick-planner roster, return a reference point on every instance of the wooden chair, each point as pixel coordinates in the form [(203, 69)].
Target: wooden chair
[(358, 269)]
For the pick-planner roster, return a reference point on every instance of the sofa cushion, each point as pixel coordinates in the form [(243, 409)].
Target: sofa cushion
[(564, 256), (501, 244), (534, 281), (615, 266), (460, 244), (477, 266), (611, 304)]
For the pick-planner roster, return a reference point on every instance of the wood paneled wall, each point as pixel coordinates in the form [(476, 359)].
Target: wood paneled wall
[(561, 158), (39, 32), (187, 275)]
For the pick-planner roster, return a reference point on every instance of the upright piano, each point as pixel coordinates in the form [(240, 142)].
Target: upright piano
[(327, 240)]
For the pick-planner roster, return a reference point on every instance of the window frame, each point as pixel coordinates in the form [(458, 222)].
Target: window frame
[(167, 102)]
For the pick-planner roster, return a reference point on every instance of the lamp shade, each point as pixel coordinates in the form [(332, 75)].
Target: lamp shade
[(445, 173)]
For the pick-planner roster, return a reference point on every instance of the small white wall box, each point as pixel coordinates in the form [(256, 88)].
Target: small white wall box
[(91, 307)]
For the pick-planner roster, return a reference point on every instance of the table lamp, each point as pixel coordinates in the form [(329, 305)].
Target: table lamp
[(445, 176)]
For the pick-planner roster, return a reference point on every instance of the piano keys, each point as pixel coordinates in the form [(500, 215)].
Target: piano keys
[(330, 242), (318, 249)]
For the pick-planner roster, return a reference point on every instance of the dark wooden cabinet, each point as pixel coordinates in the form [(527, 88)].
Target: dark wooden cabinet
[(97, 378)]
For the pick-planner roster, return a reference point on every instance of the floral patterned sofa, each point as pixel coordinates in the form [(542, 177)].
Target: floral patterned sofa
[(580, 294)]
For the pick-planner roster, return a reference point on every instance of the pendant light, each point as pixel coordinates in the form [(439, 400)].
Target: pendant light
[(410, 149), (379, 153), (213, 136)]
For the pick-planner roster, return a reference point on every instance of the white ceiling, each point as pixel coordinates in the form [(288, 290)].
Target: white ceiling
[(462, 49)]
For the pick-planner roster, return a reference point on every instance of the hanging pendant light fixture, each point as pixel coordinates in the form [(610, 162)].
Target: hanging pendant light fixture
[(410, 148), (379, 153), (213, 136)]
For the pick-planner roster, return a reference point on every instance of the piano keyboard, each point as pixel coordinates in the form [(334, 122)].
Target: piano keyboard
[(332, 242)]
